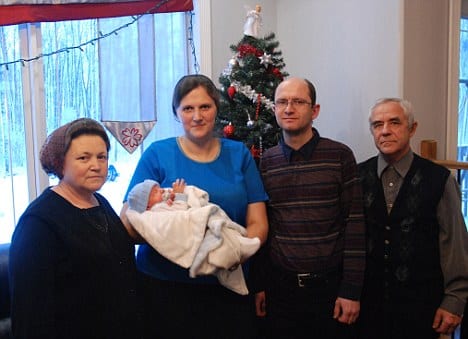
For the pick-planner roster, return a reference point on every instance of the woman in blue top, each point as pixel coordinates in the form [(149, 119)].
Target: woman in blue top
[(175, 305)]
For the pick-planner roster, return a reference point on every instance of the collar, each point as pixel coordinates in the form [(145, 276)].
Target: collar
[(305, 150), (402, 166)]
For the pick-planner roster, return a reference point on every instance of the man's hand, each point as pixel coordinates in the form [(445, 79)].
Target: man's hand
[(445, 322), (346, 311)]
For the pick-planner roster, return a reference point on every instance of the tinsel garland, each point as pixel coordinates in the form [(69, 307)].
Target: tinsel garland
[(253, 95)]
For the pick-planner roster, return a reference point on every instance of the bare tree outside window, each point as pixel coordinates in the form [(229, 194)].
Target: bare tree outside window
[(72, 87), (463, 114)]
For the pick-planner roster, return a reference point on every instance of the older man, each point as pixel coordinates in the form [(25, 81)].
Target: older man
[(416, 281)]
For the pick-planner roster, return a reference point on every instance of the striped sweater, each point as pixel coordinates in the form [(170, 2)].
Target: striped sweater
[(315, 211)]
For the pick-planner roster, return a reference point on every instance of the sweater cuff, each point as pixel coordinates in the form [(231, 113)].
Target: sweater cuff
[(349, 291), (453, 305)]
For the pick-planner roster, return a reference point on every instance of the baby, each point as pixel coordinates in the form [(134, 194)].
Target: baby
[(183, 226), (148, 195)]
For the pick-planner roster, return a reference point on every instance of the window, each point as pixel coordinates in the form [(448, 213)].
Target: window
[(463, 114), (107, 77)]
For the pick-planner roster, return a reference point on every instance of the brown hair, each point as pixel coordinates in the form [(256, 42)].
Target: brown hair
[(188, 83), (55, 147)]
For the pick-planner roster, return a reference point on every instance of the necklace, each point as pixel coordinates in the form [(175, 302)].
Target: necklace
[(201, 154), (75, 199)]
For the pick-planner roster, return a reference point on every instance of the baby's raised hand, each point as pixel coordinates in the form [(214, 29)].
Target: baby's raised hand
[(178, 186)]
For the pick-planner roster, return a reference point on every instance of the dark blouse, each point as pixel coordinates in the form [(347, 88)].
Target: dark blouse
[(72, 272)]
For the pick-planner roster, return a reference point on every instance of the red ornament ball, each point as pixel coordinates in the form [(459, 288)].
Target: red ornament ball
[(256, 153), (276, 71), (231, 91), (228, 130)]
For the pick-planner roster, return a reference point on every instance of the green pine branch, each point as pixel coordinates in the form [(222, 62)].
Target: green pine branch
[(243, 80)]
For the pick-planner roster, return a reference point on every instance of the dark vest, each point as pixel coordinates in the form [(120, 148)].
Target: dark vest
[(403, 259)]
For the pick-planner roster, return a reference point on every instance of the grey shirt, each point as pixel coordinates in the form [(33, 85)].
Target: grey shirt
[(453, 236)]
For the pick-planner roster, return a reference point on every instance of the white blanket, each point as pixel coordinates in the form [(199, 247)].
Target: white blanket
[(202, 238)]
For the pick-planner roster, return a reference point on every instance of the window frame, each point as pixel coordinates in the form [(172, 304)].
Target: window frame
[(34, 107)]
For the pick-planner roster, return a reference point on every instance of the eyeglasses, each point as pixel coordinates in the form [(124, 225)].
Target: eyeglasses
[(283, 103)]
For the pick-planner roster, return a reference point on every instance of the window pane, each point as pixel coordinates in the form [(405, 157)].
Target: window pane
[(71, 78), (463, 114), (153, 49), (13, 178), (109, 80)]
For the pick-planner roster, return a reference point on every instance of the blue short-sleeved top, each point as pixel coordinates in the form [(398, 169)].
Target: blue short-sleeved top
[(232, 181)]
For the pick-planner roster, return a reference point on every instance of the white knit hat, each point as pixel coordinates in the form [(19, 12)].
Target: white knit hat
[(139, 195)]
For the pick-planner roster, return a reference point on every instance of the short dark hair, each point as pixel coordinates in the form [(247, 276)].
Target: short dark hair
[(312, 92), (188, 83), (52, 154)]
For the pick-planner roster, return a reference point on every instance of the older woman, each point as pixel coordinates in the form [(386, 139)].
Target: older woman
[(177, 306), (72, 266)]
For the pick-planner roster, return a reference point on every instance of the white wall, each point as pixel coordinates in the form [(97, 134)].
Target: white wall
[(425, 68), (351, 51), (228, 19), (354, 51)]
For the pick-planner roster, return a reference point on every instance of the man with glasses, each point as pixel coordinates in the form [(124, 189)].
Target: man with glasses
[(313, 264)]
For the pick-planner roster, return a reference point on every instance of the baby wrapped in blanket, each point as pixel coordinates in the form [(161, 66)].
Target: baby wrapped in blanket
[(183, 226)]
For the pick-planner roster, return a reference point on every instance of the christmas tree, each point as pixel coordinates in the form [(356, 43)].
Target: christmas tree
[(247, 89)]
